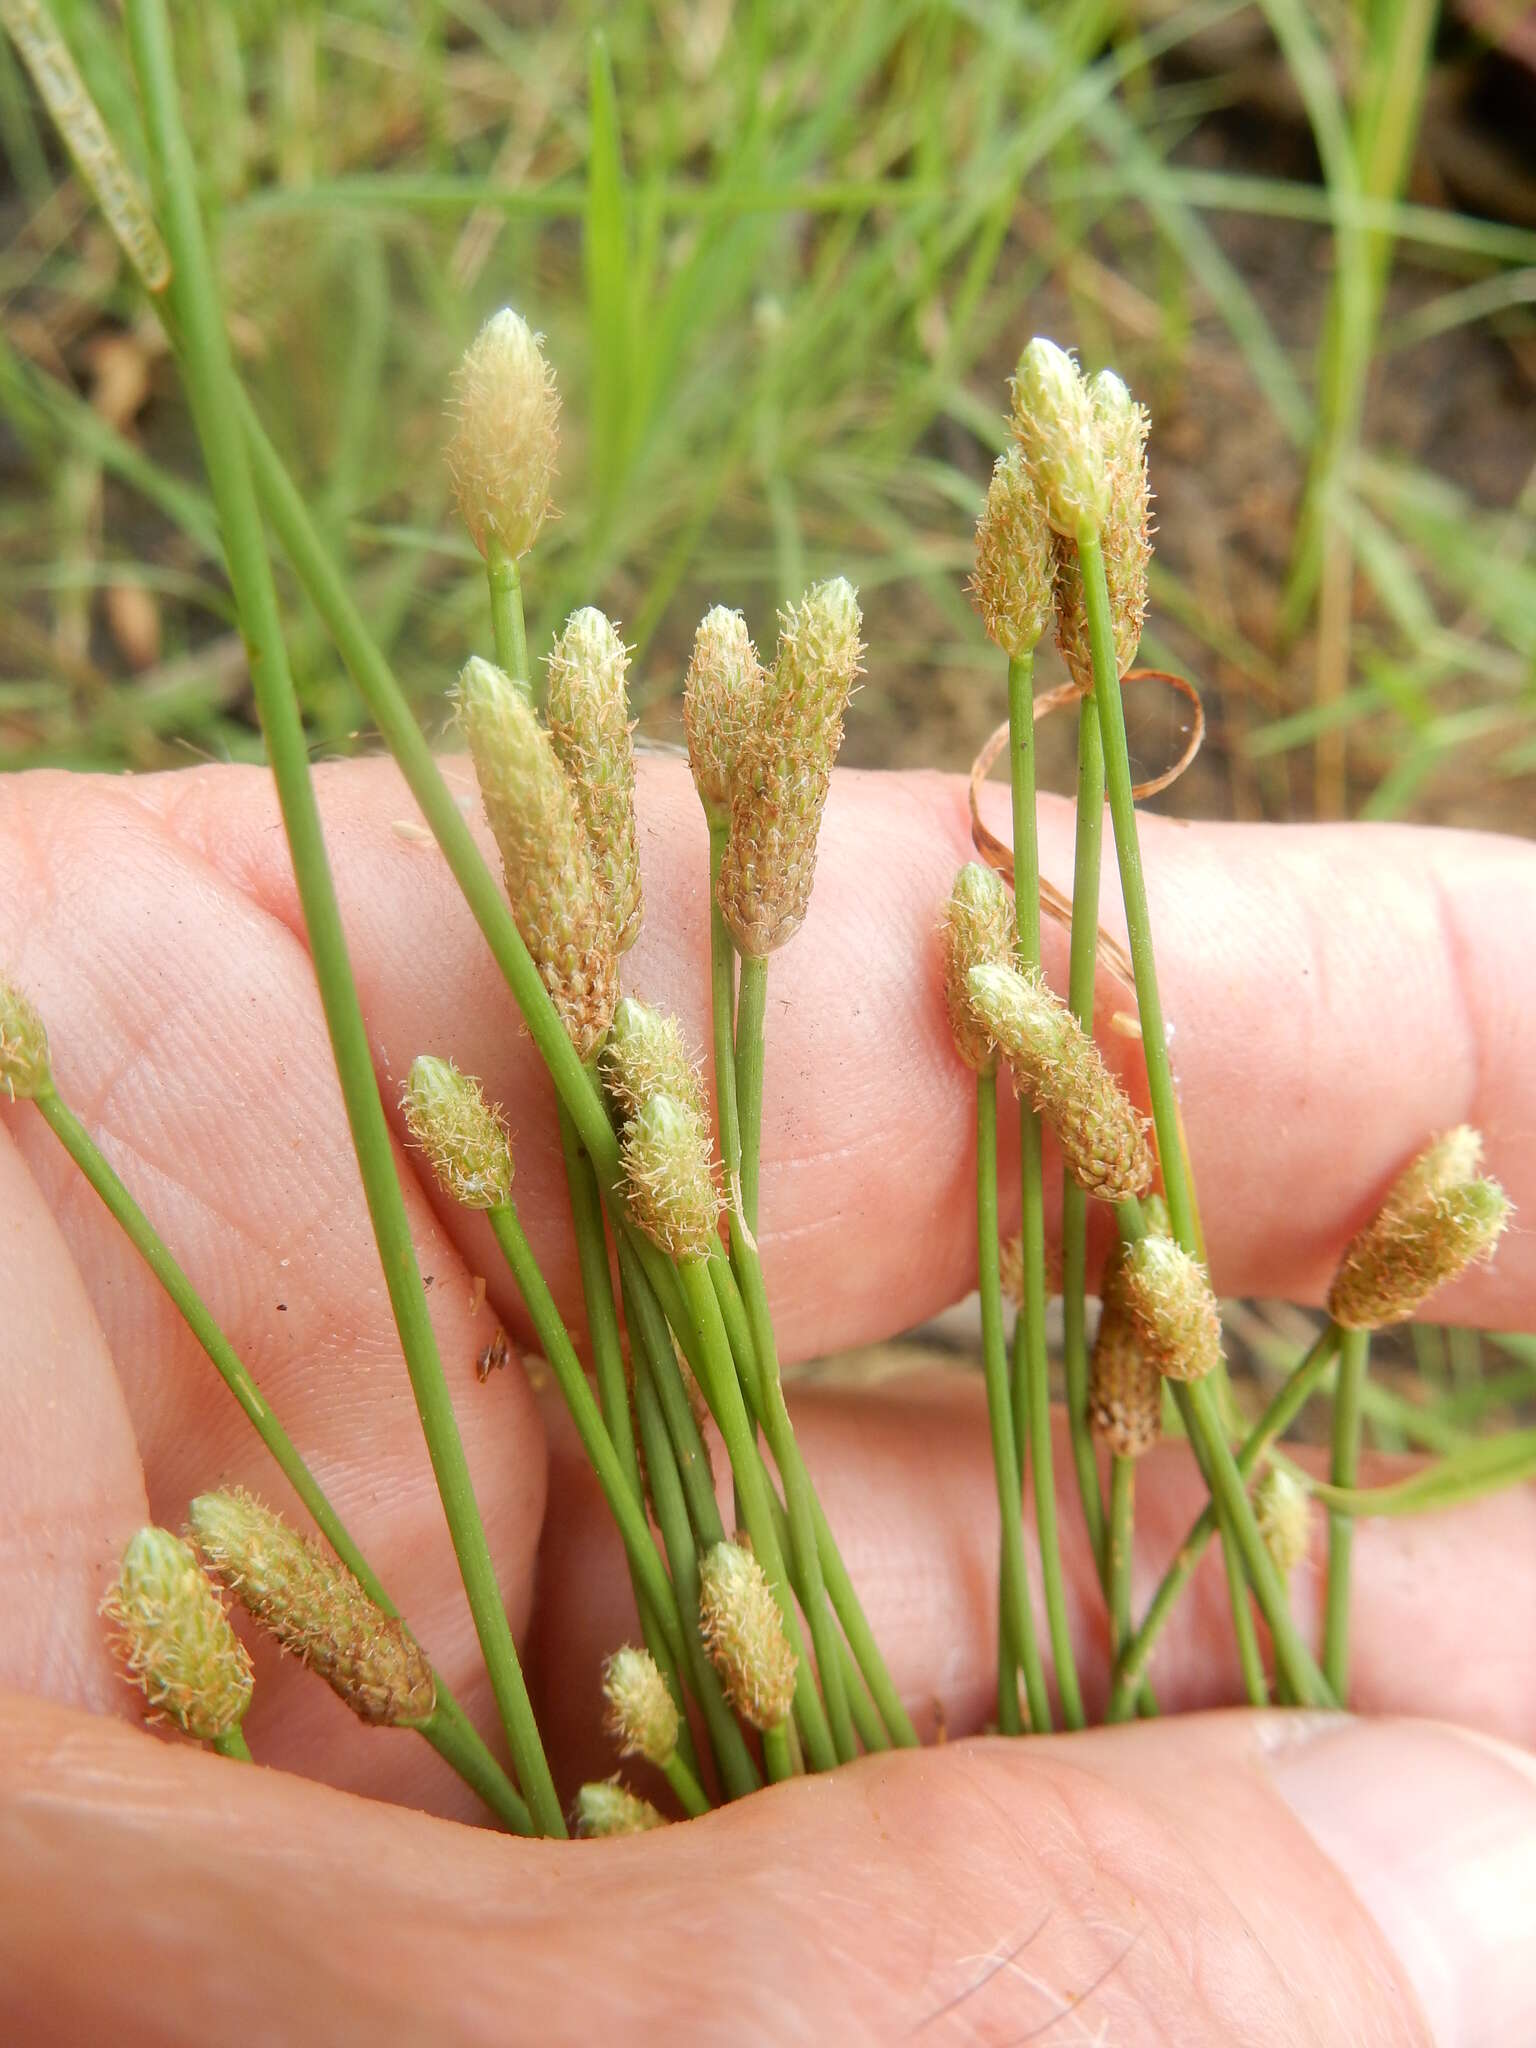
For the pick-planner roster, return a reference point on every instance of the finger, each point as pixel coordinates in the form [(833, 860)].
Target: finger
[(1204, 1881)]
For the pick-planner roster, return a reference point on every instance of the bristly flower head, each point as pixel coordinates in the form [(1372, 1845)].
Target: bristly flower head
[(1058, 436), (722, 705), (506, 435), (557, 896), (1438, 1219), (588, 711), (976, 930), (1125, 536), (647, 1055), (667, 1171), (1058, 1067), (1282, 1507), (1015, 560), (315, 1608), (24, 1068), (1125, 1389), (744, 1633), (175, 1639), (642, 1715), (1170, 1302), (606, 1807), (461, 1133)]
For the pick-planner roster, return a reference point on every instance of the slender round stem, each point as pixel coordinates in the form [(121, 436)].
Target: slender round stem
[(507, 628), (1354, 1358), (750, 1018), (779, 1758), (1122, 1513), (722, 988), (232, 1743), (686, 1788)]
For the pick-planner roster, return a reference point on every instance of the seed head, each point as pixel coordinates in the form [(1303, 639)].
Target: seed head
[(1125, 1394), (744, 1633), (588, 709), (607, 1808), (1124, 536), (647, 1055), (642, 1714), (976, 930), (557, 896), (722, 705), (1171, 1306), (315, 1608), (506, 434), (1282, 1507), (24, 1065), (1058, 1067), (175, 1639), (461, 1133), (1437, 1220), (1015, 559), (1058, 436), (820, 658), (667, 1170)]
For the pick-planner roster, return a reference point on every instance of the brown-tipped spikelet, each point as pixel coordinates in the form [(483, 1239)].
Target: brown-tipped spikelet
[(461, 1133), (315, 1608), (1058, 436), (557, 896), (1437, 1220), (24, 1069), (588, 711), (1015, 560), (1056, 1064), (1125, 1392), (976, 930), (1170, 1303), (642, 1715), (506, 435), (668, 1176), (744, 1633), (606, 1807), (647, 1055), (1282, 1507), (722, 705), (1125, 537), (175, 1639)]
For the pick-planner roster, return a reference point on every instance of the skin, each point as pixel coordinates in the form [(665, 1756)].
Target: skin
[(1337, 994)]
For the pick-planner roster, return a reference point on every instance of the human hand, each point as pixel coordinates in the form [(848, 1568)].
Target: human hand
[(1337, 995)]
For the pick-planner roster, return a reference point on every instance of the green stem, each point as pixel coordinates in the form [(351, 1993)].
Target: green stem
[(695, 1475), (469, 1756), (686, 1788), (1250, 1658), (1032, 1371), (1354, 1358), (750, 1018), (232, 1743), (779, 1752), (507, 628), (1121, 1551), (722, 987), (208, 374)]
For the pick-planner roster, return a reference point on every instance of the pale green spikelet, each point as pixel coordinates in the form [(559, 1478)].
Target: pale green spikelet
[(506, 435), (975, 930), (647, 1055), (1169, 1300), (588, 710), (175, 1639), (819, 659), (606, 1807), (315, 1608), (723, 700), (553, 886), (1055, 1063), (1015, 560), (1282, 1507), (25, 1072), (1437, 1220), (669, 1179), (743, 1631), (642, 1714), (1054, 425), (1125, 537), (463, 1135), (1125, 1395)]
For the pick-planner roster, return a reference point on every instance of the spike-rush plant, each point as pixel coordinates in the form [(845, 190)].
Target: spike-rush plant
[(758, 1659)]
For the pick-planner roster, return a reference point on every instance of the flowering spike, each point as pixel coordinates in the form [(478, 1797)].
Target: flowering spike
[(1437, 1220), (642, 1715), (1125, 1395), (608, 1808), (461, 1133), (647, 1055), (1172, 1308), (744, 1633), (25, 1071), (1282, 1507), (175, 1639), (1125, 537), (722, 705), (506, 435), (1015, 560), (667, 1169), (588, 711), (1058, 436), (976, 930)]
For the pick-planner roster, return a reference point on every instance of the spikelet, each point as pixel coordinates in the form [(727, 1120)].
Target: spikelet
[(975, 930), (1125, 537), (1125, 1395), (315, 1608), (175, 1639), (606, 1807), (462, 1134), (1172, 1308), (1282, 1507), (1053, 423), (1057, 1065), (722, 705), (556, 894), (588, 710), (744, 1634), (642, 1715), (647, 1055), (1015, 560), (668, 1177), (25, 1072), (1437, 1220), (506, 435)]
